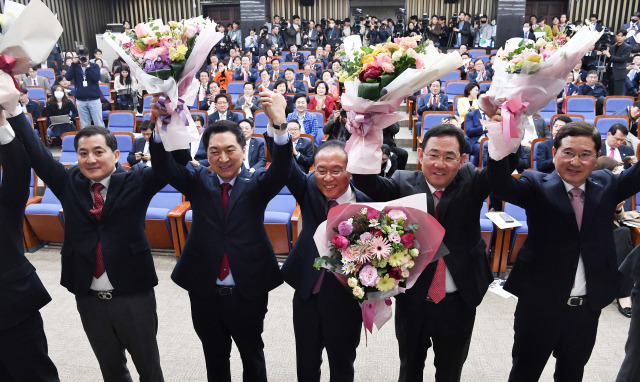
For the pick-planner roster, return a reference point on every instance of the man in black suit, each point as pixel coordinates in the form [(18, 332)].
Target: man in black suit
[(527, 33), (227, 264), (255, 157), (544, 154), (618, 55), (615, 148), (140, 154), (275, 73), (302, 147), (293, 85), (245, 72), (222, 111), (570, 246), (435, 100), (423, 320), (463, 30), (630, 368), (321, 303), (248, 101), (107, 265), (294, 56), (593, 88), (633, 113), (23, 343)]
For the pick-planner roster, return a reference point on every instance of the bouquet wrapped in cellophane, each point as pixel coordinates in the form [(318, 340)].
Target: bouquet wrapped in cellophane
[(165, 59), (29, 33), (376, 80), (377, 250), (527, 76)]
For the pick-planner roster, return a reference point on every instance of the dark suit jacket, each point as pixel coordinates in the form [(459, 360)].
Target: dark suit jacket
[(424, 104), (257, 157), (312, 78), (473, 127), (241, 235), (619, 59), (542, 130), (465, 33), (298, 87), (253, 75), (213, 117), (21, 291), (255, 104), (280, 74), (305, 149), (459, 211), (299, 58), (597, 91), (544, 156), (298, 270), (529, 35), (138, 146), (625, 151), (125, 248), (472, 76), (554, 243), (573, 88)]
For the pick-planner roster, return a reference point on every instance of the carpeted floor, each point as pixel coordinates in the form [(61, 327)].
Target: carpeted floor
[(182, 358)]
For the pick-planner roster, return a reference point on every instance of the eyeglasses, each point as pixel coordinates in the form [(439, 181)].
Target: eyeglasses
[(447, 159), (335, 172), (583, 157)]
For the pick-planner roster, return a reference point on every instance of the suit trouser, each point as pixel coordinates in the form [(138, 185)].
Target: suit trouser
[(23, 353), (126, 322), (315, 323), (217, 320), (569, 334), (447, 326), (630, 369)]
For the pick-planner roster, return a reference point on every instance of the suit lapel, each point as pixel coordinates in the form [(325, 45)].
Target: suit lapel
[(115, 186), (86, 202), (593, 195), (558, 194), (242, 180)]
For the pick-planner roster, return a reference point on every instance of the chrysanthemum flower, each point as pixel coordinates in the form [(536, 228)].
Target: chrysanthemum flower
[(379, 248)]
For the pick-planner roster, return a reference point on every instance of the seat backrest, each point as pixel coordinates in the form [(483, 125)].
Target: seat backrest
[(49, 198), (46, 72), (574, 117), (122, 121), (289, 65), (168, 197), (106, 92), (240, 114), (451, 76), (535, 146), (473, 53), (432, 118), (484, 57), (260, 120), (613, 104), (515, 212), (282, 203), (454, 87), (604, 122), (203, 114), (581, 104), (68, 154), (37, 92), (146, 102), (484, 86)]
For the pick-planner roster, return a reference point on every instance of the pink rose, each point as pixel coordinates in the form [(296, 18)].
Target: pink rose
[(153, 54), (395, 273), (407, 239), (420, 63), (373, 214), (165, 41), (351, 254), (388, 67), (365, 237), (136, 51), (395, 237), (142, 30), (369, 276), (151, 40), (396, 214), (340, 242), (190, 30)]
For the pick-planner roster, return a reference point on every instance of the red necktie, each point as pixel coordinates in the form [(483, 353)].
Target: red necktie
[(433, 102), (438, 288), (316, 287), (224, 266), (97, 212), (577, 204)]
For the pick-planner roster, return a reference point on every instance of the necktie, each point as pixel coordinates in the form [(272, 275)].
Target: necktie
[(316, 287), (290, 87), (224, 266), (275, 76), (578, 204), (611, 152), (97, 212), (34, 82), (438, 288), (433, 101)]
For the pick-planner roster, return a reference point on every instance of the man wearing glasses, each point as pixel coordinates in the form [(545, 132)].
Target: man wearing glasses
[(566, 271), (440, 309)]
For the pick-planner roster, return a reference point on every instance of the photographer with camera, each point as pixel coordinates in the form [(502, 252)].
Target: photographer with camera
[(618, 55), (463, 30), (293, 33), (482, 33), (311, 36), (433, 30), (274, 40), (86, 77), (251, 42), (262, 41), (336, 126), (221, 49)]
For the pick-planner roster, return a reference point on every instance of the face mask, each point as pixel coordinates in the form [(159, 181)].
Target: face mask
[(58, 95), (332, 25)]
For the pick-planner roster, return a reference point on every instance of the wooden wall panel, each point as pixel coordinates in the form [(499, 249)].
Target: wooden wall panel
[(612, 13), (440, 8), (137, 11), (338, 9)]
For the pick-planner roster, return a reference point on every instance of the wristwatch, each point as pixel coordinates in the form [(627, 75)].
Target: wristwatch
[(282, 126)]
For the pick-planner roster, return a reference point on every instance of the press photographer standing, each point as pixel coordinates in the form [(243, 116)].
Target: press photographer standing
[(86, 77)]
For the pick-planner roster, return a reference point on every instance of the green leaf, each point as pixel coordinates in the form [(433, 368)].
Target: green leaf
[(163, 74), (369, 91), (385, 79), (177, 68)]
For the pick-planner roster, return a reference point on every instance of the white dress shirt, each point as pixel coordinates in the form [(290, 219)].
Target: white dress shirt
[(450, 285), (101, 283), (580, 281)]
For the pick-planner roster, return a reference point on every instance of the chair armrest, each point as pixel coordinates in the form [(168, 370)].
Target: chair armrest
[(34, 200), (179, 210)]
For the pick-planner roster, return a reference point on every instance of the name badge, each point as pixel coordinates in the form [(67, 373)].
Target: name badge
[(85, 84)]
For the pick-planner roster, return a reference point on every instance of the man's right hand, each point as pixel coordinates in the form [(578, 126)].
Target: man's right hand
[(76, 60), (274, 106)]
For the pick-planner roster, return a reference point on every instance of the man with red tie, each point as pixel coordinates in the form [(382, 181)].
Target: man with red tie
[(227, 264)]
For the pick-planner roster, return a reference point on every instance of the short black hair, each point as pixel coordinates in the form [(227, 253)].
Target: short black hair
[(592, 72), (469, 87), (250, 83), (221, 126), (220, 96), (146, 125), (578, 129), (250, 122), (198, 117), (90, 131), (563, 118), (385, 149), (618, 127), (636, 104), (290, 70), (332, 144), (300, 95), (296, 122), (278, 82), (624, 32), (444, 129)]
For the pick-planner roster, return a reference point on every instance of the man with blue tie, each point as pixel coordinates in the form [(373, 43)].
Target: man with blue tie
[(527, 32), (227, 264), (294, 56)]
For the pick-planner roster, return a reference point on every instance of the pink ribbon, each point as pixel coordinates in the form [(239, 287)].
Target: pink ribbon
[(7, 63), (165, 104), (511, 109), (359, 124)]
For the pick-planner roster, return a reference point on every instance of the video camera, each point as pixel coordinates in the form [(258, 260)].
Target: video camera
[(82, 53), (400, 24)]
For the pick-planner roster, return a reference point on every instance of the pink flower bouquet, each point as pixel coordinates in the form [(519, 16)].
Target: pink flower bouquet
[(165, 58), (376, 80), (377, 250), (527, 76), (29, 33)]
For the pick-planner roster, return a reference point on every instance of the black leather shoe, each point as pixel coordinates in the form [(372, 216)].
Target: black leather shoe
[(624, 311)]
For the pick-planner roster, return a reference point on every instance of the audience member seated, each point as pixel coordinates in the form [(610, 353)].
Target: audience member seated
[(302, 147), (222, 111), (125, 85), (321, 57), (308, 123), (281, 87), (544, 154), (474, 131), (593, 88), (388, 138), (633, 77), (615, 148), (336, 126), (389, 164), (479, 73), (209, 102), (223, 76), (527, 33), (579, 74), (265, 80), (321, 101), (254, 156), (33, 79), (203, 82), (570, 89), (315, 66), (633, 113), (275, 74), (105, 76), (328, 78), (435, 100), (64, 82), (263, 64), (212, 65), (307, 76), (194, 146), (543, 27), (467, 65), (293, 85), (489, 65), (248, 102), (294, 56), (139, 155), (28, 105), (469, 102), (245, 72), (59, 105)]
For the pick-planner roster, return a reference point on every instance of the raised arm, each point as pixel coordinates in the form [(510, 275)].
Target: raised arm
[(380, 189), (15, 173), (506, 187)]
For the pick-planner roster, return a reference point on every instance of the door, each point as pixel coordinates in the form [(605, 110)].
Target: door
[(548, 9), (222, 13)]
